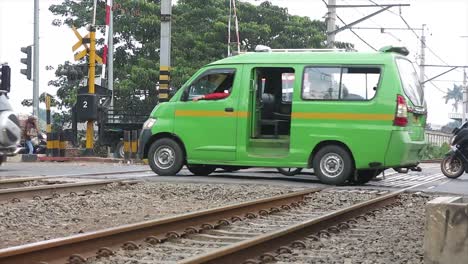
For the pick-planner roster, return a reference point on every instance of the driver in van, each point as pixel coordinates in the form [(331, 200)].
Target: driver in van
[(216, 95)]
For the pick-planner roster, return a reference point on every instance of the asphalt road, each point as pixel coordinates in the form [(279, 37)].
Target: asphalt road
[(430, 179)]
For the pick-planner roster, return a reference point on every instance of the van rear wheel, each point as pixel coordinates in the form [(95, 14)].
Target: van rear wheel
[(201, 170), (165, 157), (333, 165)]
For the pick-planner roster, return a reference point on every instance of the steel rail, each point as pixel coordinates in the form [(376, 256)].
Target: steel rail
[(19, 182), (79, 247), (77, 174), (255, 247), (16, 194)]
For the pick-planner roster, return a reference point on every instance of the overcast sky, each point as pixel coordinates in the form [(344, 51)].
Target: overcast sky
[(446, 22)]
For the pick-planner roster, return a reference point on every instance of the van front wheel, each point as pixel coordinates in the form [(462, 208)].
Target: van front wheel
[(332, 165), (165, 157)]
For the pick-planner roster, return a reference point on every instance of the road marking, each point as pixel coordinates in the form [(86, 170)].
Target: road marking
[(407, 180)]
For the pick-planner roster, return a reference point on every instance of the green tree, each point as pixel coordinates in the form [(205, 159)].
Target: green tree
[(455, 95), (199, 36)]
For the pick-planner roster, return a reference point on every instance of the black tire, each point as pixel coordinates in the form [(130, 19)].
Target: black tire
[(452, 166), (364, 176), (119, 150), (289, 171), (201, 170), (325, 164), (166, 157)]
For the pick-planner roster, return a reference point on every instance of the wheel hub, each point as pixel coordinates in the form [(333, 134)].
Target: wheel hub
[(332, 165), (164, 157)]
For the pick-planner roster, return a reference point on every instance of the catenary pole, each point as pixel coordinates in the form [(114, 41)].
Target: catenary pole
[(423, 57), (36, 60), (331, 20), (229, 28)]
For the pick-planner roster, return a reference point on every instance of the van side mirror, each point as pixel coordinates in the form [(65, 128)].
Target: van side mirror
[(185, 95), (5, 76)]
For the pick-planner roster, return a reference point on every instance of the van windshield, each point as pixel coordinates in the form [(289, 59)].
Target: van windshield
[(410, 81)]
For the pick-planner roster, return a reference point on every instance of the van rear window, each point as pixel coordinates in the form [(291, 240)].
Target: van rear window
[(356, 83), (410, 82)]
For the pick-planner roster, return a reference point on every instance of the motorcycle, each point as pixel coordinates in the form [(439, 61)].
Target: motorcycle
[(39, 144), (455, 162), (10, 132)]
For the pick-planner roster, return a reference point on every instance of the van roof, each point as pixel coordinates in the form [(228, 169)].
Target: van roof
[(310, 57)]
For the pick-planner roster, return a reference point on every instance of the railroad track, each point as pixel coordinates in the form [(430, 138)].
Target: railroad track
[(200, 226), (23, 181), (220, 235), (56, 189), (19, 178), (16, 189)]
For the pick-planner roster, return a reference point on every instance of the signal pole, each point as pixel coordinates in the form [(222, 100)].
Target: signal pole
[(91, 75), (36, 60)]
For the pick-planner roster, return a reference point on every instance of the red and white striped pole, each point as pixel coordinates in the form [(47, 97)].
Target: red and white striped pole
[(106, 37)]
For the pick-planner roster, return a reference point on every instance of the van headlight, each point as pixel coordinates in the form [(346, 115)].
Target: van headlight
[(149, 123), (452, 140)]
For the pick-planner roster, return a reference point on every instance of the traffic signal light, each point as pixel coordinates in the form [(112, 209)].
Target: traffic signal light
[(27, 61), (5, 78)]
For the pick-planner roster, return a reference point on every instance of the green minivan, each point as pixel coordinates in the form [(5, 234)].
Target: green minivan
[(347, 115)]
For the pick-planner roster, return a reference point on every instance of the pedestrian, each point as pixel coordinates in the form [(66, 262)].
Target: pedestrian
[(30, 132)]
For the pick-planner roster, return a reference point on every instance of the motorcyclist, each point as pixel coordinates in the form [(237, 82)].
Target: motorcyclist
[(30, 132)]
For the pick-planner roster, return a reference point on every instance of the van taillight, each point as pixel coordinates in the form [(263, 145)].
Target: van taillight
[(401, 115)]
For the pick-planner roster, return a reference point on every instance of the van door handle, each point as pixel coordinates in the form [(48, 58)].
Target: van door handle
[(228, 109)]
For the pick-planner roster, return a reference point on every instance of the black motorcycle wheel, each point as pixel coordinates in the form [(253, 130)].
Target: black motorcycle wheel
[(452, 167)]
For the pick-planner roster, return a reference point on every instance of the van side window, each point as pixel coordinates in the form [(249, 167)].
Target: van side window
[(340, 83), (215, 82), (287, 86)]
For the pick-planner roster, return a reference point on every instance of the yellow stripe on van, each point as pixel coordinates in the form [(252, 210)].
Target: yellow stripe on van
[(343, 116)]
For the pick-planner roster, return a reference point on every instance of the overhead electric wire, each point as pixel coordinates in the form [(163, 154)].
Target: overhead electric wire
[(416, 34), (357, 35)]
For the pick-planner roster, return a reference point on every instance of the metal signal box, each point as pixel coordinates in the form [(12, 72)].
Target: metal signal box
[(86, 107)]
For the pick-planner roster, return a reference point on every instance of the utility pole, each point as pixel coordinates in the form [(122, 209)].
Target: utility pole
[(423, 57), (165, 51), (36, 60), (331, 20)]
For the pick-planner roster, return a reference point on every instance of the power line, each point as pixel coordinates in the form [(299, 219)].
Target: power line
[(357, 35), (416, 34)]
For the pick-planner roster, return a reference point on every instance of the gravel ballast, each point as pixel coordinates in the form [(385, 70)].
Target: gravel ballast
[(392, 236), (31, 220)]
